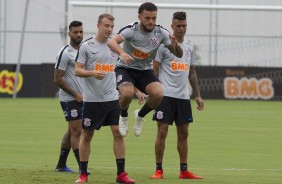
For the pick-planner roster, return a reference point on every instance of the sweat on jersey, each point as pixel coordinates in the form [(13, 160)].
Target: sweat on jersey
[(66, 62), (98, 56), (142, 46), (174, 71)]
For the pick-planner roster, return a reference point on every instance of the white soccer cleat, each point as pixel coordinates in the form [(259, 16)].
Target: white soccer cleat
[(123, 126), (138, 123)]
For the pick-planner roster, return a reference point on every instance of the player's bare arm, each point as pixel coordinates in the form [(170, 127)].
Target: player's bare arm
[(156, 67), (174, 47), (113, 44), (194, 83), (59, 80), (81, 72)]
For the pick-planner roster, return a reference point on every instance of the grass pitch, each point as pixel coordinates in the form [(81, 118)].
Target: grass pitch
[(229, 142)]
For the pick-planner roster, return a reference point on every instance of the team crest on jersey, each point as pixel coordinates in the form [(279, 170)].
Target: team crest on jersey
[(74, 113), (160, 115), (119, 78), (87, 122), (187, 53), (154, 42)]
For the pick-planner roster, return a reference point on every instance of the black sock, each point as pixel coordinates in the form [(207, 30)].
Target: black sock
[(120, 165), (144, 111), (63, 158), (76, 154), (124, 113), (83, 166), (183, 167), (159, 166)]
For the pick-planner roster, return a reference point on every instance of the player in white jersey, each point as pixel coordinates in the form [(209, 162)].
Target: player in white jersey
[(70, 95), (174, 73), (95, 63), (134, 68)]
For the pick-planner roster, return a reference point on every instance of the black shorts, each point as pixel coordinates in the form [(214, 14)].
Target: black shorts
[(72, 110), (139, 78), (173, 109), (98, 114)]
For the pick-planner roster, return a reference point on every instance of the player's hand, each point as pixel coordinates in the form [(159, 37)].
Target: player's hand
[(125, 58), (99, 75), (79, 98), (173, 40), (141, 97), (200, 103)]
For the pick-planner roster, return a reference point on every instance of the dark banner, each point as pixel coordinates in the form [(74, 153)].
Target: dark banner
[(252, 83), (240, 83), (33, 81)]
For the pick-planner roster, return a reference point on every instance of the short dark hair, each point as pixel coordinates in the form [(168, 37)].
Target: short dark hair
[(179, 15), (75, 23), (105, 15), (147, 6)]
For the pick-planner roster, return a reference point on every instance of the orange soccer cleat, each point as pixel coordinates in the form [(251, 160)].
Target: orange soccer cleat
[(189, 175), (124, 179), (159, 174), (83, 178)]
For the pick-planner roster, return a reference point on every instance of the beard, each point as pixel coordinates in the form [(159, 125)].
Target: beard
[(146, 29)]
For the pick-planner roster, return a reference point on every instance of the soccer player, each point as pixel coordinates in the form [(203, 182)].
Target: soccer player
[(70, 95), (95, 63), (173, 73), (134, 68)]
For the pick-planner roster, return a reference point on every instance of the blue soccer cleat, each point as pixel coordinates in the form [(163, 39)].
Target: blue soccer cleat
[(64, 169)]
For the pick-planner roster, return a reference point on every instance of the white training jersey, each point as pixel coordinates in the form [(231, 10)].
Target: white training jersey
[(98, 56), (66, 61), (174, 71), (142, 46)]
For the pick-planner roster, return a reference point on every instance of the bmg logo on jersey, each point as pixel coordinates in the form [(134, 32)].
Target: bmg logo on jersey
[(175, 66), (139, 54), (109, 68)]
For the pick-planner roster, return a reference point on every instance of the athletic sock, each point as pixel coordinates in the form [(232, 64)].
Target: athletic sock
[(183, 167), (124, 112), (83, 167), (120, 165), (159, 166), (144, 111), (63, 158), (76, 154)]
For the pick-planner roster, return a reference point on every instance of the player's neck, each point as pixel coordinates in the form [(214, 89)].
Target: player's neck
[(74, 45), (179, 39), (101, 39)]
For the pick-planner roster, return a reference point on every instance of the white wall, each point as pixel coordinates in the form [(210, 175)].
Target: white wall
[(245, 38)]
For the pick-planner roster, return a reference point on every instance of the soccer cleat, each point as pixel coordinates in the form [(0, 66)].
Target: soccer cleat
[(124, 179), (64, 169), (159, 174), (83, 178), (123, 126), (189, 175), (138, 123)]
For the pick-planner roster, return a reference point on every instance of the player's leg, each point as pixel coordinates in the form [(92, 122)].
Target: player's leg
[(64, 152), (112, 109), (159, 149), (183, 119), (65, 143), (76, 129), (84, 152), (149, 84), (126, 93)]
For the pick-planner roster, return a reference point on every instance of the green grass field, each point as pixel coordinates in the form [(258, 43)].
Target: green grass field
[(229, 142)]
